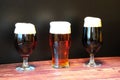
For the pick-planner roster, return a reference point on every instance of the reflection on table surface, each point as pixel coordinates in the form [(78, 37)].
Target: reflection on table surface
[(110, 70)]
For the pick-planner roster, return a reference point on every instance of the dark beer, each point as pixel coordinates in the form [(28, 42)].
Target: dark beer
[(92, 39), (60, 44), (59, 40), (25, 43)]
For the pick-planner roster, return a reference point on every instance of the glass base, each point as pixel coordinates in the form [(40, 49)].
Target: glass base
[(60, 66), (88, 64), (30, 68)]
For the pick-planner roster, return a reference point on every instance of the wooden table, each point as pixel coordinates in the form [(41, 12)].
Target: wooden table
[(110, 70)]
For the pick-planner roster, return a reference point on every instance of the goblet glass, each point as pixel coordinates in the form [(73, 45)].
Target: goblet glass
[(92, 38), (25, 42)]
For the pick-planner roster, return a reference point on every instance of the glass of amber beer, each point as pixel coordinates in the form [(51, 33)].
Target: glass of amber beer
[(59, 40), (25, 42), (92, 38)]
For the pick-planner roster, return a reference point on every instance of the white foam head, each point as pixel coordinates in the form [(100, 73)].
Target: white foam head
[(24, 28), (92, 22), (60, 27)]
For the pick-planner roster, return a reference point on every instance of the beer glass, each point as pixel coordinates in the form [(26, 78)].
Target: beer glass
[(25, 42), (59, 40), (92, 38)]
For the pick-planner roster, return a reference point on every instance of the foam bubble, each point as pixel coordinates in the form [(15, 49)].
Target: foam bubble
[(24, 28), (92, 22), (60, 27)]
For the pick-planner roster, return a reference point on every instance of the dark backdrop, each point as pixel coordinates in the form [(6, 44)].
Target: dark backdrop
[(41, 12)]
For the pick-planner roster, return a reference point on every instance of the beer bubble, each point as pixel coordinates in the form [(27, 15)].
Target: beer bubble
[(60, 27), (92, 22), (24, 28)]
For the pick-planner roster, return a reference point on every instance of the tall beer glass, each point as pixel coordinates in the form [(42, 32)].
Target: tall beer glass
[(59, 40), (92, 38), (25, 42)]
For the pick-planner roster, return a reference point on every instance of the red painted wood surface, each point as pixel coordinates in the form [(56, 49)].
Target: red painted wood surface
[(110, 70)]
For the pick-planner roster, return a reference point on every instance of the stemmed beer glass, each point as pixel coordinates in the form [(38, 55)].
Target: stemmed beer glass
[(25, 42), (92, 38)]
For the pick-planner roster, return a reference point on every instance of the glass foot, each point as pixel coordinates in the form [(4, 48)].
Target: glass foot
[(60, 66), (88, 64), (20, 69)]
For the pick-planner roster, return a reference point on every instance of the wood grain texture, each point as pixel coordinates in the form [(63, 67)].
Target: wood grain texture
[(110, 70)]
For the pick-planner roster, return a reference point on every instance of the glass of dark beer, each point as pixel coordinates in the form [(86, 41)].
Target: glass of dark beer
[(25, 42), (59, 40), (92, 38)]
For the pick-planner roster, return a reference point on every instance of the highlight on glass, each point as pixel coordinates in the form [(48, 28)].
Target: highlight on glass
[(59, 40), (25, 42), (92, 38)]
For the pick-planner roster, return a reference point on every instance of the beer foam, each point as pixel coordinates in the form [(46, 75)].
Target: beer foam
[(60, 27), (24, 28), (92, 22)]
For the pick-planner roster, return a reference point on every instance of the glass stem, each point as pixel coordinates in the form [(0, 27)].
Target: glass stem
[(25, 62), (92, 61)]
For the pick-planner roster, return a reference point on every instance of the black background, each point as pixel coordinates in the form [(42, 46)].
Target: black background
[(41, 12)]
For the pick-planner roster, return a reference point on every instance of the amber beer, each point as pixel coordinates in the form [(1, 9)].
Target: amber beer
[(59, 39)]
